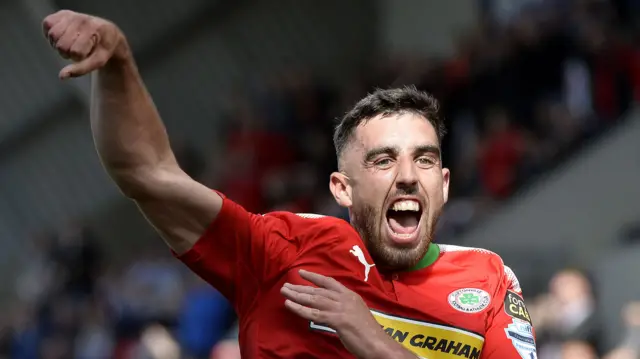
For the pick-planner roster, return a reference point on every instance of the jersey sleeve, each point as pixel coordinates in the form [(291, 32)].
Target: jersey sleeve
[(510, 334), (240, 252)]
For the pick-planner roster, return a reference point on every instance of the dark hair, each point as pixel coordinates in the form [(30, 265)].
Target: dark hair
[(388, 102)]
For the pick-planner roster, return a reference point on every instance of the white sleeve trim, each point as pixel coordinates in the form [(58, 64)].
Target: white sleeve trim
[(514, 284), (452, 248), (309, 215)]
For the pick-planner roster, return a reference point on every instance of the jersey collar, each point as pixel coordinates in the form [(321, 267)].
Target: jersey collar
[(433, 252)]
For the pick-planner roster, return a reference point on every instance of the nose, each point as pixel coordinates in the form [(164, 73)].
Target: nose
[(407, 178)]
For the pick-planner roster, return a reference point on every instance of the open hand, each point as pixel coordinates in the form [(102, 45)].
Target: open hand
[(334, 305)]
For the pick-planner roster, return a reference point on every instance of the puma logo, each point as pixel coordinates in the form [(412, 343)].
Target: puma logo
[(358, 253)]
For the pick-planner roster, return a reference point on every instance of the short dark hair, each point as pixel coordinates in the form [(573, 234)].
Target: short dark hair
[(388, 102)]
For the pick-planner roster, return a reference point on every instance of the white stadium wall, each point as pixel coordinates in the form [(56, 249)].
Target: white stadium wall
[(580, 207)]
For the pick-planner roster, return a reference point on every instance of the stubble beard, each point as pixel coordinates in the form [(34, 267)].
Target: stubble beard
[(366, 221)]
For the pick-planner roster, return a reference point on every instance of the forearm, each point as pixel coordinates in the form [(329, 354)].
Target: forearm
[(130, 137)]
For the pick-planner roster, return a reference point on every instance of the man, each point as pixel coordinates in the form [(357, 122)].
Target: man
[(426, 300)]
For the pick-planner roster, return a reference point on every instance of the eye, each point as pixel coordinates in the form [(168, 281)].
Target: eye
[(383, 163), (425, 161)]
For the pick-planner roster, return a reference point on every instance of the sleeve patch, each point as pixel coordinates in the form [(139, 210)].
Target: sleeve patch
[(515, 308), (521, 336)]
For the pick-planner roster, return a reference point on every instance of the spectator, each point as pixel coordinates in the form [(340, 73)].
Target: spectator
[(78, 257), (578, 350), (570, 314), (630, 344), (24, 334), (95, 339), (204, 319), (500, 155), (228, 348)]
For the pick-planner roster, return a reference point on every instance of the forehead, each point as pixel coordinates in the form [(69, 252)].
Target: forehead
[(399, 130)]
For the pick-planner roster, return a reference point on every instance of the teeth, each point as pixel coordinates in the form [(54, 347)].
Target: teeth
[(406, 205), (402, 235)]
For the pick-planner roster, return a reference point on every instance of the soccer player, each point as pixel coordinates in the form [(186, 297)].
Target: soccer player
[(414, 297)]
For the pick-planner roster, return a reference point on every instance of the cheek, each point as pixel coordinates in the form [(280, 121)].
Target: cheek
[(433, 187), (364, 193), (373, 185)]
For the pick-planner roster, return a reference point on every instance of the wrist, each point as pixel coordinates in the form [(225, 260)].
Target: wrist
[(122, 55), (122, 51), (121, 62)]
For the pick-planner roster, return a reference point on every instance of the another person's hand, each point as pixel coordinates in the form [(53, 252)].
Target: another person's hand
[(622, 353), (89, 41), (226, 349), (333, 305)]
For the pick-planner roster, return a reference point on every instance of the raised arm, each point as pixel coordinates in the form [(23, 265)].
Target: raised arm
[(129, 135)]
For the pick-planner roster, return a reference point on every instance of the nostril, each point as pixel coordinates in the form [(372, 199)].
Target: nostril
[(407, 188)]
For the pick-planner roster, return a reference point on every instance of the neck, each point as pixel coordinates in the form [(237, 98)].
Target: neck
[(431, 255)]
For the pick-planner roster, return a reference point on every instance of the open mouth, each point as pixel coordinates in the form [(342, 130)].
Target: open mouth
[(403, 219)]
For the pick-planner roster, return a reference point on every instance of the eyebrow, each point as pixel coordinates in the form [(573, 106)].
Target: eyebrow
[(432, 149), (394, 151), (385, 150)]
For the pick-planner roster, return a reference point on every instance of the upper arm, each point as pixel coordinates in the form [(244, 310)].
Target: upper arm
[(240, 253), (178, 207), (510, 334), (218, 239)]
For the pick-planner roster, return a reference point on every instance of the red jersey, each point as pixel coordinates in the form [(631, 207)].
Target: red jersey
[(458, 303)]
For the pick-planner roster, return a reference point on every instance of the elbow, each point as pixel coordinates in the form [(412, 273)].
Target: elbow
[(134, 185), (147, 183), (138, 184)]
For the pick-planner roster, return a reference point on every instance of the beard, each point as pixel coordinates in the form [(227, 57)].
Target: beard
[(367, 221)]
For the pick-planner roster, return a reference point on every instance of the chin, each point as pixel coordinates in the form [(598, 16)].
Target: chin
[(392, 255)]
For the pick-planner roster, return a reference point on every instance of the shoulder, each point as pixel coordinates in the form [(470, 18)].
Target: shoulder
[(470, 255), (311, 224), (481, 259), (306, 218)]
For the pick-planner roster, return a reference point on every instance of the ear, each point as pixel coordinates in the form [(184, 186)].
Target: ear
[(340, 188), (445, 184)]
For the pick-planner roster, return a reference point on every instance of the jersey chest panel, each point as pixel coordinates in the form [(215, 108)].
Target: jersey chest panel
[(413, 309)]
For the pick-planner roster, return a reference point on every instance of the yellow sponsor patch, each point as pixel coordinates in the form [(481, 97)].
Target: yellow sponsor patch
[(514, 306), (427, 340)]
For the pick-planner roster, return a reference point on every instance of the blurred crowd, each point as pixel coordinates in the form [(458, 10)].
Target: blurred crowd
[(518, 96), (72, 303), (521, 92), (568, 325)]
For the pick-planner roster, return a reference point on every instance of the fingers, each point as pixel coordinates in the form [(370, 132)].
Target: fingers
[(66, 40), (56, 32), (310, 303), (323, 281), (50, 21), (312, 314), (74, 38), (83, 45), (302, 311), (87, 40), (327, 293), (94, 61), (312, 297)]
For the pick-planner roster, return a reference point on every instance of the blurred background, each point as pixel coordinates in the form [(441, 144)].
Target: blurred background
[(544, 146)]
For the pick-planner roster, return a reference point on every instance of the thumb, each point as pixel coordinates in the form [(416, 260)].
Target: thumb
[(93, 62), (66, 72)]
